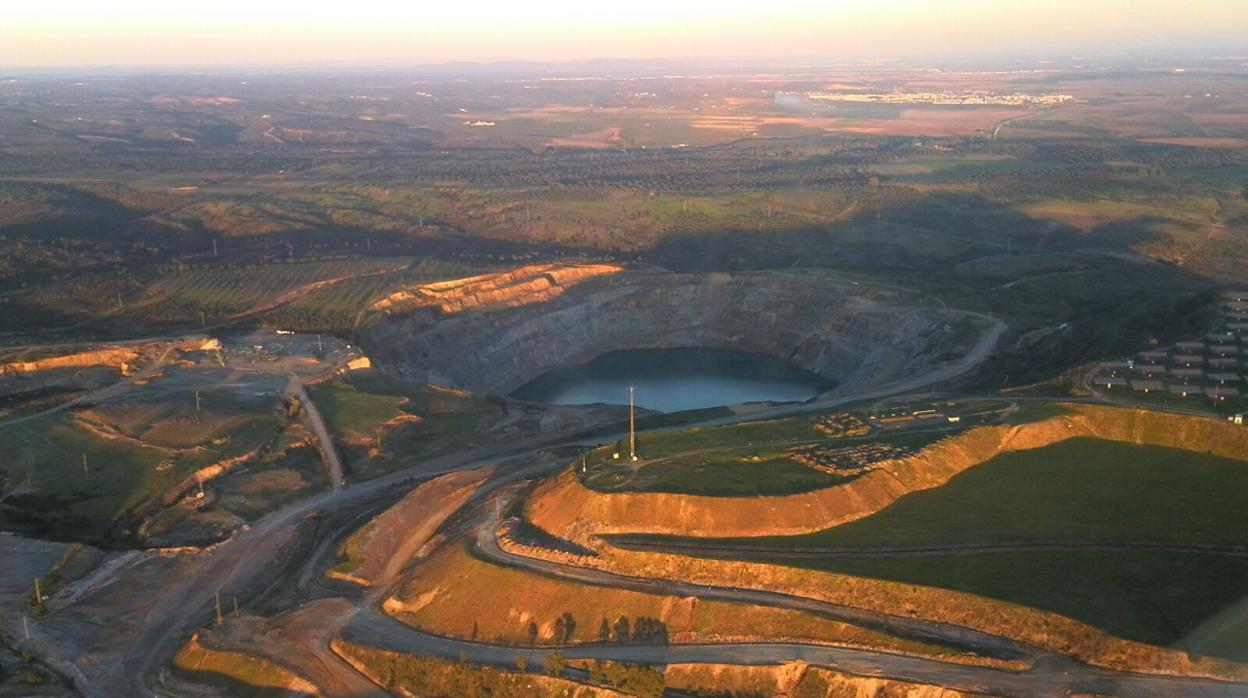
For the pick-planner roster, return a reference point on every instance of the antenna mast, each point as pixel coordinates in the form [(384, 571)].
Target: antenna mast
[(632, 432)]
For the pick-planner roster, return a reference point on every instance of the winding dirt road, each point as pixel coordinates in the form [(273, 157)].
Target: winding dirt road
[(746, 552), (929, 631), (295, 389), (1049, 677)]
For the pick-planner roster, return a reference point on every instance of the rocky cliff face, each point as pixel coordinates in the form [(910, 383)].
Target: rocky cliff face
[(854, 334)]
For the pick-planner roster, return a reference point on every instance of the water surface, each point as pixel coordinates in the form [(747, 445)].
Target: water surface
[(671, 380)]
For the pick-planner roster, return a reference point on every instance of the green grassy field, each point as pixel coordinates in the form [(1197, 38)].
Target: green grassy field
[(134, 454), (48, 492), (718, 475), (1081, 491), (428, 421), (1160, 598), (351, 413), (732, 461)]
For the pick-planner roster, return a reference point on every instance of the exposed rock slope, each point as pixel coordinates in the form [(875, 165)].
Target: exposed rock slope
[(494, 334)]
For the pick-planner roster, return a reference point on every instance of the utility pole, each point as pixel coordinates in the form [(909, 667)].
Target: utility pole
[(197, 401), (84, 464), (202, 322), (214, 247), (632, 432), (38, 595), (236, 604), (119, 300), (218, 597), (318, 343), (25, 627)]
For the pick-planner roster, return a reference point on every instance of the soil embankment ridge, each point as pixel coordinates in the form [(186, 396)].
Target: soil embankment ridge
[(115, 357), (569, 510), (521, 286), (379, 550)]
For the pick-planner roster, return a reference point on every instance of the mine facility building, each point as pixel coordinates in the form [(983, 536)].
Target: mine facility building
[(1147, 386), (1215, 366), (1116, 367)]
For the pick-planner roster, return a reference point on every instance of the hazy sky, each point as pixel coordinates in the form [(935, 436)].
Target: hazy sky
[(172, 32)]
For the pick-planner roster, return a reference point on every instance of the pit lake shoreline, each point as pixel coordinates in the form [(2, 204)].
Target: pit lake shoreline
[(676, 380)]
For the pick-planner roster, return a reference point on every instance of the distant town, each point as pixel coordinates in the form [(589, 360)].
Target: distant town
[(974, 97)]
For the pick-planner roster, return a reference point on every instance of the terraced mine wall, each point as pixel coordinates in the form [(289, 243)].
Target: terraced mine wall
[(516, 326), (567, 509)]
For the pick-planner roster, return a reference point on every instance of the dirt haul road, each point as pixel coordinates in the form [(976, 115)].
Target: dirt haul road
[(295, 389), (1049, 677)]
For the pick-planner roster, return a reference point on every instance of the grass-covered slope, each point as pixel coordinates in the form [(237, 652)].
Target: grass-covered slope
[(567, 508)]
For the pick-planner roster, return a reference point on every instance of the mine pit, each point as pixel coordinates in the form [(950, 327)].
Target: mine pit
[(799, 333)]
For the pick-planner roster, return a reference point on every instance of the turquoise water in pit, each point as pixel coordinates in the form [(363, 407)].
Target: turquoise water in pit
[(672, 380)]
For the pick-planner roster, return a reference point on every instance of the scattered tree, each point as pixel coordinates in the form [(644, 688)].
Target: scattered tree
[(621, 629), (553, 663)]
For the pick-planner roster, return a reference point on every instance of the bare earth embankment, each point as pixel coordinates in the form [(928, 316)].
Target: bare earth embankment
[(565, 508), (378, 551)]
